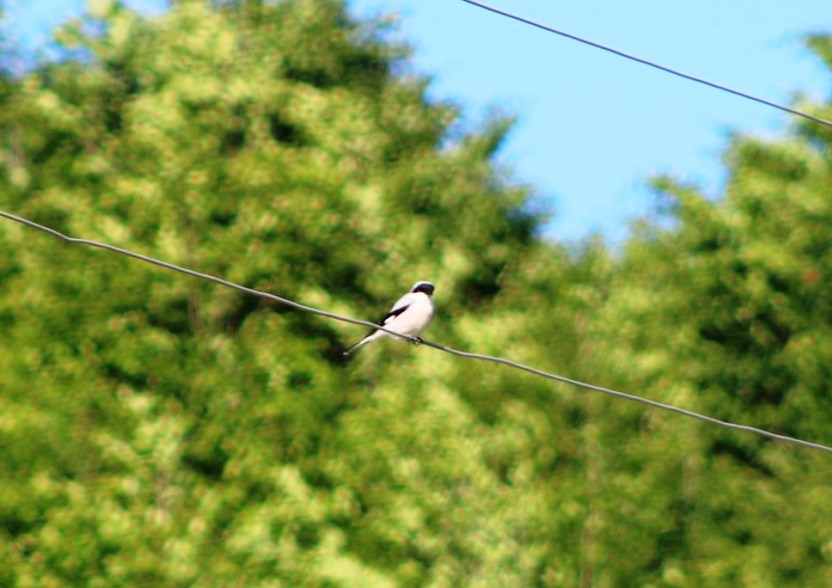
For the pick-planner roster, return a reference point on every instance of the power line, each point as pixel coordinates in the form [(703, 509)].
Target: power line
[(647, 62), (476, 356), (200, 275)]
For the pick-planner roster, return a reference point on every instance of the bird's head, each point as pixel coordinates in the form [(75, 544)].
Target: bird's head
[(424, 287)]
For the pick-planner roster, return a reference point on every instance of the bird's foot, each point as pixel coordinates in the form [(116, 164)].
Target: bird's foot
[(416, 340)]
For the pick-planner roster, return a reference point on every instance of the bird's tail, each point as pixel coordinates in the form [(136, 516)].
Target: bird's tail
[(355, 347)]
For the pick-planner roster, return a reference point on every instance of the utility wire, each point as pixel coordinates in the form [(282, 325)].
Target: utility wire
[(476, 356), (647, 62)]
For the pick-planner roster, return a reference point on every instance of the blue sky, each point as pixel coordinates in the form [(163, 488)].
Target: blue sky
[(592, 127)]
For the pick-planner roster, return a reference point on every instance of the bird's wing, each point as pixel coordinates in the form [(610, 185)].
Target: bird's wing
[(401, 305), (396, 311)]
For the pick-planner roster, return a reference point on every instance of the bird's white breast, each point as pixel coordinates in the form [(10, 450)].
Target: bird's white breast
[(416, 318)]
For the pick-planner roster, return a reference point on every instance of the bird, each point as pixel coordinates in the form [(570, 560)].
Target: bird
[(411, 315)]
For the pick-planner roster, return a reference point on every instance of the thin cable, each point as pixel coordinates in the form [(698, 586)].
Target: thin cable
[(663, 68), (466, 354), (202, 276)]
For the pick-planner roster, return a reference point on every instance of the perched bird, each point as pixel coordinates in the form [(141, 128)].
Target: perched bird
[(411, 315)]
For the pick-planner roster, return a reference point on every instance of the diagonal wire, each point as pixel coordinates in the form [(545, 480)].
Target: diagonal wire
[(466, 354), (647, 62), (201, 276)]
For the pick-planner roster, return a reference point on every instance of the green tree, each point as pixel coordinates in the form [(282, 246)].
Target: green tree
[(723, 307), (166, 431), (160, 430)]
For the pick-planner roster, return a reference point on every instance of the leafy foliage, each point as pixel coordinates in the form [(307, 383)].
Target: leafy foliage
[(161, 431)]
